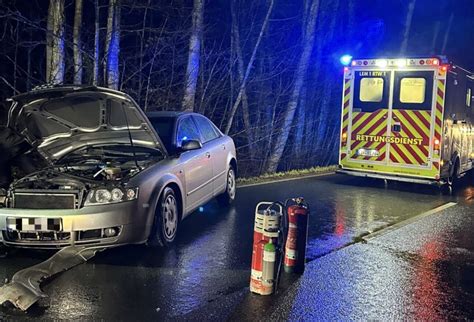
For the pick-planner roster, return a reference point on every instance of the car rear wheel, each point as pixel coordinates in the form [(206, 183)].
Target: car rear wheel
[(166, 222), (228, 197)]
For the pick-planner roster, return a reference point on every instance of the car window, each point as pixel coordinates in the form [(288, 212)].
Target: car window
[(187, 130), (207, 130), (468, 97), (164, 127)]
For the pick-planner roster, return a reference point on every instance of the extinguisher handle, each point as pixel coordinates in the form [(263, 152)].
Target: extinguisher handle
[(297, 201), (266, 205)]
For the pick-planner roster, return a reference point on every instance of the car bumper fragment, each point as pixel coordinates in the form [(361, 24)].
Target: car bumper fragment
[(24, 289)]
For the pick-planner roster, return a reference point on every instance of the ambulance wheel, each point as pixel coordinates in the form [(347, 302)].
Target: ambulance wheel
[(454, 175), (165, 226), (228, 197)]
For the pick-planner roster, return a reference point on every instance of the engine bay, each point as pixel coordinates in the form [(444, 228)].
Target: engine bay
[(83, 170)]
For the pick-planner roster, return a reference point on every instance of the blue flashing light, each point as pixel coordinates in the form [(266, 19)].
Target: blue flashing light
[(201, 209), (346, 60)]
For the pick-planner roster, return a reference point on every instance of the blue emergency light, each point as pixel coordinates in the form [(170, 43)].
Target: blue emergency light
[(346, 60)]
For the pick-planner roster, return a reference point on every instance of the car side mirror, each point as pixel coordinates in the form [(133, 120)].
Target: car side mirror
[(189, 145)]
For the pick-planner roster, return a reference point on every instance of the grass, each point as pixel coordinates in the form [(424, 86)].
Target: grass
[(286, 175)]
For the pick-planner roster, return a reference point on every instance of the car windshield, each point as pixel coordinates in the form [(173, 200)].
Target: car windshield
[(164, 127)]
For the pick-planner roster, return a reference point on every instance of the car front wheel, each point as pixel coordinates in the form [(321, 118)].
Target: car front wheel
[(165, 226), (228, 196)]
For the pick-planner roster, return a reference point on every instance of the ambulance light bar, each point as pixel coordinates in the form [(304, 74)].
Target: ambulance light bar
[(399, 62)]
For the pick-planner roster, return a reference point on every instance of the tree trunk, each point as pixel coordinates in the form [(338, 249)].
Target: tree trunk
[(55, 42), (434, 40), (77, 47), (112, 46), (15, 64), (95, 76), (140, 64), (249, 67), (300, 75), (406, 32), (327, 89), (300, 122), (240, 69), (446, 35), (194, 57), (301, 109)]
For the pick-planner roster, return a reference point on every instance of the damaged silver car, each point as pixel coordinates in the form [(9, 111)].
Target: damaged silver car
[(102, 175)]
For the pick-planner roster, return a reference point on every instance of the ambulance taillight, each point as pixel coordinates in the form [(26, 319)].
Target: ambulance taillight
[(436, 146)]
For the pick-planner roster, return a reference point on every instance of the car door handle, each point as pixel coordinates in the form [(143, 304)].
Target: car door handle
[(208, 155)]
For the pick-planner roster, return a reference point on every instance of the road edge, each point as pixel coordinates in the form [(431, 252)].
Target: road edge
[(407, 222), (286, 179)]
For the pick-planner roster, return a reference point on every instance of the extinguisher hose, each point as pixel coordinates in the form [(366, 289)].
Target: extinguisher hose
[(282, 240)]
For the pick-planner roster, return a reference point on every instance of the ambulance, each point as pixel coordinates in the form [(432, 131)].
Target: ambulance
[(407, 119)]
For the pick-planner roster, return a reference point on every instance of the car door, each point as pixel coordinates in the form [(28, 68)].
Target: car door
[(197, 165), (214, 142)]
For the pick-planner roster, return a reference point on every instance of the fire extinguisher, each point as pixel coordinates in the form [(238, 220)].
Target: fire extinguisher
[(264, 250), (268, 273), (297, 236)]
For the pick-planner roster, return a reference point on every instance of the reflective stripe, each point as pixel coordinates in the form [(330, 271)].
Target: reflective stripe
[(345, 116)]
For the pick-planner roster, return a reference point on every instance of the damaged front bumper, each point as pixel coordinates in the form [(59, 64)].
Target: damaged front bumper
[(102, 225)]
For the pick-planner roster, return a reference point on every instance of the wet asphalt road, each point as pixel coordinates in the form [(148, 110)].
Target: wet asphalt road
[(205, 275)]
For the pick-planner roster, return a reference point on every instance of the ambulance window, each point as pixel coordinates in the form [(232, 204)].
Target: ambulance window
[(412, 90), (468, 97), (371, 89)]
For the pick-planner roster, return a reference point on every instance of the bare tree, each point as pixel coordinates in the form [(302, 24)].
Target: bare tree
[(142, 47), (446, 34), (240, 67), (112, 45), (77, 46), (194, 56), (407, 27), (55, 51), (434, 40), (301, 110), (95, 73), (300, 74), (249, 68)]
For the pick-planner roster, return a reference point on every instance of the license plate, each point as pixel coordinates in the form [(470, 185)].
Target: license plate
[(34, 224), (367, 153)]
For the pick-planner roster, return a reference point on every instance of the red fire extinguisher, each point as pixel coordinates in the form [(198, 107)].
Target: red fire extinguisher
[(265, 238), (295, 246)]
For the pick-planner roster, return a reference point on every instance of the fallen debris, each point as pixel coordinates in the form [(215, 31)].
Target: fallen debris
[(24, 288), (3, 252)]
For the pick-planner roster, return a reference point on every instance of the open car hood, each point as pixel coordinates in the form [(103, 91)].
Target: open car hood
[(60, 120)]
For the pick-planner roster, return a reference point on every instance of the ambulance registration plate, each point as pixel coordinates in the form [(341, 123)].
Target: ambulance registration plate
[(34, 224), (367, 153)]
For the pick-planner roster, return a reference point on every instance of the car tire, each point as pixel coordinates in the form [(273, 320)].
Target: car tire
[(165, 226), (228, 196)]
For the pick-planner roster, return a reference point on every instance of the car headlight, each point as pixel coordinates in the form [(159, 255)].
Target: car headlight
[(102, 196)]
